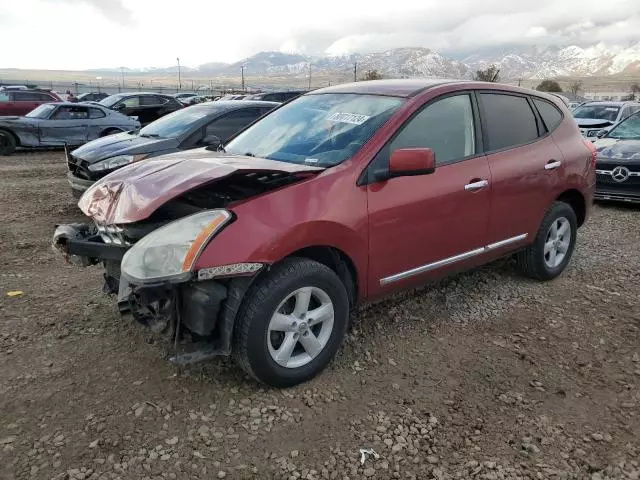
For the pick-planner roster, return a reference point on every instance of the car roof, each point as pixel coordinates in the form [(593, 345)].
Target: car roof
[(132, 94), (396, 88), (234, 104), (610, 103)]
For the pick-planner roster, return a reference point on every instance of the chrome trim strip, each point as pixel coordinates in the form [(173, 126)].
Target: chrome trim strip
[(448, 261), (505, 242), (610, 172)]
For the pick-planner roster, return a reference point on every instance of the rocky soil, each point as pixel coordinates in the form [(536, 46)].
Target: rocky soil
[(484, 376)]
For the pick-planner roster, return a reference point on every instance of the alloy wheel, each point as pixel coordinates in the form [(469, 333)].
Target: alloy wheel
[(557, 243)]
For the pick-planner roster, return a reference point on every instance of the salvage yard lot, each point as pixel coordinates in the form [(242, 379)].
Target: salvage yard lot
[(485, 375)]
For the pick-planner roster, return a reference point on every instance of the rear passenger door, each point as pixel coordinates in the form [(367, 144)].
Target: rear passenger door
[(527, 168)]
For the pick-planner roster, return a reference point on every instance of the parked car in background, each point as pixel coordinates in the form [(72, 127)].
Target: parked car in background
[(193, 100), (595, 118), (59, 124), (183, 95), (147, 107), (261, 250), (22, 101), (92, 96), (275, 96), (618, 165), (207, 124)]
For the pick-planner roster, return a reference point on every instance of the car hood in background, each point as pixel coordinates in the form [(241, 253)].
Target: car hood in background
[(593, 122), (617, 149), (134, 192), (122, 144), (13, 119)]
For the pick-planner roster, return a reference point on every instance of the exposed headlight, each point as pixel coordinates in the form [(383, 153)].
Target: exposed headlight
[(170, 252), (114, 162)]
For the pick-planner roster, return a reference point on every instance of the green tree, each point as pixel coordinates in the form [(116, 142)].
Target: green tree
[(372, 75), (549, 86), (489, 74)]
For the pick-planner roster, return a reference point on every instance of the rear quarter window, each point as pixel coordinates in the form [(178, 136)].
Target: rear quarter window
[(551, 115), (508, 121)]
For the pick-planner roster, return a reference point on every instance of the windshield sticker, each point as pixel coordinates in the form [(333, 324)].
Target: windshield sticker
[(353, 118), (611, 109), (311, 160)]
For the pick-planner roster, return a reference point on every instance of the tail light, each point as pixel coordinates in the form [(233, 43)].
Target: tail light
[(593, 150)]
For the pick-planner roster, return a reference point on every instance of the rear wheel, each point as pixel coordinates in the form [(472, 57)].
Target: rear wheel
[(553, 246), (292, 323), (7, 143)]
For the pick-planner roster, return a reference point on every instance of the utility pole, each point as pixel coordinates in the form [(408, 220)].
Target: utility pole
[(355, 71), (179, 75), (519, 81), (242, 73), (122, 74), (309, 76)]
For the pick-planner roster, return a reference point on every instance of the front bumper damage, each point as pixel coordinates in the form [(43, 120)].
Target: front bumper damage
[(198, 314)]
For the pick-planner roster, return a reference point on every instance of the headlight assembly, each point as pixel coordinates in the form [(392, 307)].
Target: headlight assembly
[(170, 252), (114, 162)]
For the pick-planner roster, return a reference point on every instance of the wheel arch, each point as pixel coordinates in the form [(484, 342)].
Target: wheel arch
[(12, 133), (575, 199)]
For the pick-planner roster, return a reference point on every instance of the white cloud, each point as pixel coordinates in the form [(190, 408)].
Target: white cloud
[(77, 34)]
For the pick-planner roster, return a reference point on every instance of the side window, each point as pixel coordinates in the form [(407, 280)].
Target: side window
[(4, 97), (26, 97), (71, 113), (44, 97), (264, 110), (508, 120), (550, 114), (445, 126), (130, 102), (224, 127), (147, 100), (96, 113), (626, 111)]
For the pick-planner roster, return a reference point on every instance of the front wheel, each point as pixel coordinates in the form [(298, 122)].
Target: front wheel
[(292, 323), (553, 246), (7, 143)]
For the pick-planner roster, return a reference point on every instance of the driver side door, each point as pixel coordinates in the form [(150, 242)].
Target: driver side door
[(424, 226), (66, 125)]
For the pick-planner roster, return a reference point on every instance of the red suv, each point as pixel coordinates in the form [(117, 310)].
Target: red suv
[(21, 102), (341, 196)]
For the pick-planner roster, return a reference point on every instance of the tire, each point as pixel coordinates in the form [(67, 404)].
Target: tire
[(7, 143), (260, 341), (542, 260), (110, 131)]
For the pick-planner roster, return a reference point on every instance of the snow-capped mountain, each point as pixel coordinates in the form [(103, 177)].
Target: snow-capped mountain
[(539, 63)]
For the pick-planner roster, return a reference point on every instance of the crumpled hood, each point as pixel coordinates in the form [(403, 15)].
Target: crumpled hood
[(11, 119), (622, 150), (134, 192), (593, 122), (121, 144)]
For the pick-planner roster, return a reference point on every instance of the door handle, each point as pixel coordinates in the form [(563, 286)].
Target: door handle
[(552, 164), (477, 185)]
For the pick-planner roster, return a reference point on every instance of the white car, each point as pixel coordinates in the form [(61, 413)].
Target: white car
[(597, 118)]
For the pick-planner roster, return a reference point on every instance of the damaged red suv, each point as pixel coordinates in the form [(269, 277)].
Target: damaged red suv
[(346, 194)]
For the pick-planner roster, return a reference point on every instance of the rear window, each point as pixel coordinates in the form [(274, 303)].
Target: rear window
[(508, 121), (550, 114)]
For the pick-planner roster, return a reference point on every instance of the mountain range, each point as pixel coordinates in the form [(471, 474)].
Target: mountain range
[(527, 63)]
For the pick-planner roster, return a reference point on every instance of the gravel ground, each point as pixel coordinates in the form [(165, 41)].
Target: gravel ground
[(484, 376)]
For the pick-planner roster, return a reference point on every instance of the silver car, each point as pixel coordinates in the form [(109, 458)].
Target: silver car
[(59, 124)]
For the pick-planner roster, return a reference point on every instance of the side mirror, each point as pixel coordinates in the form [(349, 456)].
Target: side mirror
[(120, 106), (412, 161), (211, 141)]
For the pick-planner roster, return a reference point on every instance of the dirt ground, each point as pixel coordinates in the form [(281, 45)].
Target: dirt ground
[(486, 375)]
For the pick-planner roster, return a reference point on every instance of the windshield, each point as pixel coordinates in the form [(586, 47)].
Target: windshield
[(111, 100), (175, 124), (323, 129), (41, 111), (628, 129), (600, 112)]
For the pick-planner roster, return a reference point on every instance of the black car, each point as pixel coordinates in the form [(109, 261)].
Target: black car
[(146, 106), (618, 163), (205, 124), (276, 96), (92, 96)]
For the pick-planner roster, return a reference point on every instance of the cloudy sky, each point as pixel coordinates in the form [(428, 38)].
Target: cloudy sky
[(79, 34)]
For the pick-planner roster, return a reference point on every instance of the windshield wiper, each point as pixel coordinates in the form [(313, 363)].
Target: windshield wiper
[(150, 135), (249, 154)]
